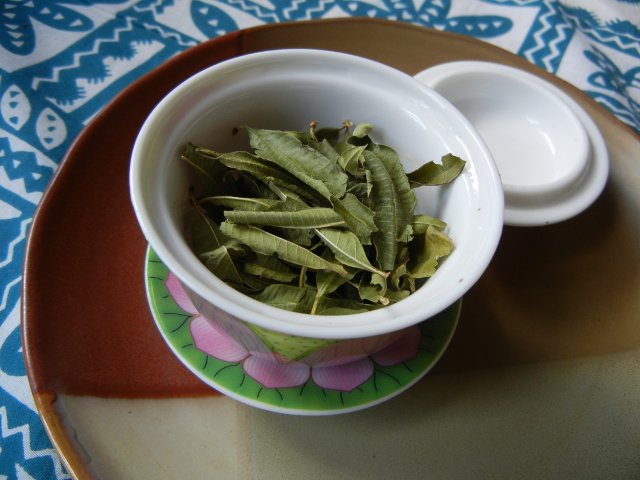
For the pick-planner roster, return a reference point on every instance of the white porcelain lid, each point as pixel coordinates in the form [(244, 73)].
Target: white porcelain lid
[(551, 156)]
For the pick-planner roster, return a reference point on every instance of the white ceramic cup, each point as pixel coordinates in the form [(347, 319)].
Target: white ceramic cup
[(286, 89)]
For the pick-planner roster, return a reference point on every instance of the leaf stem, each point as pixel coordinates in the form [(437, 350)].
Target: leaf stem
[(314, 307)]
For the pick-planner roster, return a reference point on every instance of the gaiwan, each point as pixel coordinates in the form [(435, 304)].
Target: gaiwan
[(248, 327)]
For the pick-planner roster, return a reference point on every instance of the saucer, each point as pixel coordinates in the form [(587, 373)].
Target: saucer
[(551, 156), (232, 379)]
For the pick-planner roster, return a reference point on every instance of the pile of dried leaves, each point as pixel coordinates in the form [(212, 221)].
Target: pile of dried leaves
[(320, 222)]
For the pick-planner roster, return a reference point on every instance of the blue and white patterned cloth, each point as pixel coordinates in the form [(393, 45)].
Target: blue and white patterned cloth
[(61, 61)]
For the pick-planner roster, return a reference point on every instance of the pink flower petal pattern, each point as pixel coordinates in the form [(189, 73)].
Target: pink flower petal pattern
[(177, 292), (403, 348), (240, 332), (333, 367), (344, 377), (351, 350), (209, 338), (270, 373)]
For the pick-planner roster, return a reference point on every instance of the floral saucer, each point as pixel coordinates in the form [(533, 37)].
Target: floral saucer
[(247, 371)]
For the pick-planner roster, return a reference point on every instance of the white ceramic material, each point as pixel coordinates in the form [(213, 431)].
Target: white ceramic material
[(286, 89), (552, 159)]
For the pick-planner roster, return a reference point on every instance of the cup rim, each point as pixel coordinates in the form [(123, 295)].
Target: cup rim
[(234, 303)]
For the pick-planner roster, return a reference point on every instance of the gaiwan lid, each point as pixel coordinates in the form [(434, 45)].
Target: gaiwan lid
[(552, 158)]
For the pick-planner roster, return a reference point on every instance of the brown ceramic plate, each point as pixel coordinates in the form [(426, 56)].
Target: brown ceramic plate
[(541, 379)]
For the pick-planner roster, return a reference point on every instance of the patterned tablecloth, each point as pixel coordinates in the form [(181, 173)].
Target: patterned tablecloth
[(61, 61)]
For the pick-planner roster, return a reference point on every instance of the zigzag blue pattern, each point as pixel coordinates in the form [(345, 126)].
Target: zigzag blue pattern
[(21, 434), (20, 440), (614, 87), (548, 37), (619, 35), (265, 14)]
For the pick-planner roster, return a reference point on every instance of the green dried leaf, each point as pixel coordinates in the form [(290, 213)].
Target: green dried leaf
[(427, 249), (374, 289), (358, 217), (270, 268), (310, 166), (326, 149), (302, 137), (422, 222), (397, 274), (307, 218), (397, 295), (221, 261), (351, 158), (287, 297), (240, 203), (432, 173), (290, 200), (204, 233), (326, 282), (302, 236), (214, 249), (347, 248), (362, 190), (208, 169), (393, 202), (343, 306), (261, 170), (268, 244), (362, 130)]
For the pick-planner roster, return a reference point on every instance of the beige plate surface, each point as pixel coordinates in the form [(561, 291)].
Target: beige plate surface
[(541, 380)]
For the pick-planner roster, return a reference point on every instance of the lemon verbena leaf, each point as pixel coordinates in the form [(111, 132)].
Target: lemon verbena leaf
[(307, 218), (267, 243), (347, 248), (432, 173), (310, 166), (393, 202)]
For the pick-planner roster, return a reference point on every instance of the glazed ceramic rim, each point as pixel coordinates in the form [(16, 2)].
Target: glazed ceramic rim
[(560, 200), (410, 311)]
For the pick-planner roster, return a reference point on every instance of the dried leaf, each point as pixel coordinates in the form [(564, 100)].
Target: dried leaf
[(268, 244), (307, 218), (208, 169), (347, 248), (214, 249), (240, 203), (393, 202), (422, 222), (357, 216), (351, 158), (326, 282), (326, 149), (287, 297), (270, 268), (221, 261), (310, 166), (427, 249), (374, 289), (263, 171), (432, 173), (343, 306), (362, 130)]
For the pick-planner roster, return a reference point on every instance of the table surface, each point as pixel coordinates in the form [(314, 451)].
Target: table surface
[(62, 61)]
